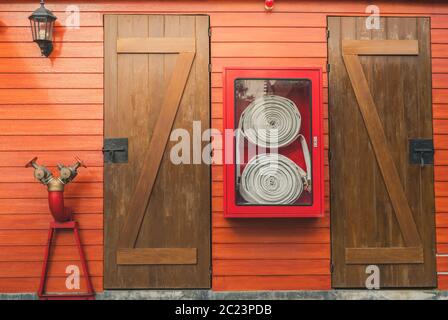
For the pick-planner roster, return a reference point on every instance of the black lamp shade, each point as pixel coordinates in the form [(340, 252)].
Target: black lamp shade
[(42, 23)]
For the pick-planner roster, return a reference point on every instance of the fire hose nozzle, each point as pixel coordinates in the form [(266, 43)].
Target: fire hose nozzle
[(41, 173)]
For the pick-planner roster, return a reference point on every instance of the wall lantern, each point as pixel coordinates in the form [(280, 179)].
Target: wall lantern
[(42, 23)]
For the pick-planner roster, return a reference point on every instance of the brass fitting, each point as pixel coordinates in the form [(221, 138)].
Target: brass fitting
[(55, 185), (66, 174), (41, 173)]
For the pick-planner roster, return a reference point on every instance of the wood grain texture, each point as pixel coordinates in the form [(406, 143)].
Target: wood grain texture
[(403, 255), (165, 91), (34, 190), (52, 112), (251, 283), (192, 6), (272, 251), (234, 21), (283, 234), (41, 222), (20, 18), (380, 47), (39, 237), (156, 149), (363, 214), (266, 49), (68, 50), (51, 81), (381, 148), (39, 65), (49, 127), (12, 269), (22, 174), (266, 267), (60, 34), (16, 158), (54, 284), (219, 63), (265, 34), (51, 143), (156, 45), (59, 253), (51, 96), (40, 206), (157, 256)]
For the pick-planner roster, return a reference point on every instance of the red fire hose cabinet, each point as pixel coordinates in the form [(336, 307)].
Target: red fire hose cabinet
[(273, 142)]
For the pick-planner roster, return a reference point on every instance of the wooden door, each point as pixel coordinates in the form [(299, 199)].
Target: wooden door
[(382, 207), (157, 214)]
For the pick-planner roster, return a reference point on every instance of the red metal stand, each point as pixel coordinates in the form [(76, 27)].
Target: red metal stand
[(90, 294)]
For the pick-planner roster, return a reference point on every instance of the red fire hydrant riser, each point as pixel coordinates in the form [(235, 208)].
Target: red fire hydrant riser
[(56, 203)]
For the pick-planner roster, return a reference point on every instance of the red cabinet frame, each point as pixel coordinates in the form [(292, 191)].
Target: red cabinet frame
[(316, 206)]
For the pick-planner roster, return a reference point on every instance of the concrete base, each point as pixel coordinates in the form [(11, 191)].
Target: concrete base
[(276, 295), (18, 296), (257, 295)]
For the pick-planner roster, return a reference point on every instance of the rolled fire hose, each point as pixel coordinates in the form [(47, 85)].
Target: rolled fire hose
[(271, 178), (271, 119)]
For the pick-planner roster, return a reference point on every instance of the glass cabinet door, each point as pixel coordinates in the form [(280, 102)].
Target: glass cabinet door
[(272, 139), (276, 146)]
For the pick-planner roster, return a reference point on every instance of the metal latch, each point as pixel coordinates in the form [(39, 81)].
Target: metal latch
[(115, 150), (421, 151)]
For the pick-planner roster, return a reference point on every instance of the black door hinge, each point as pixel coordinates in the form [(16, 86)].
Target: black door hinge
[(328, 67), (329, 155), (328, 33), (331, 267), (209, 32)]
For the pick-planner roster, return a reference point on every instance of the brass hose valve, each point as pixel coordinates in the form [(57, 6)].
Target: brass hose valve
[(68, 173), (41, 173)]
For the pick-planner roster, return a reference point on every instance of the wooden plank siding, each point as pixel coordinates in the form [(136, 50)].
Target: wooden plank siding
[(53, 108)]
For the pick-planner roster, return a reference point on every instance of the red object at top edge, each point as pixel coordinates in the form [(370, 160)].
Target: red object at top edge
[(269, 4)]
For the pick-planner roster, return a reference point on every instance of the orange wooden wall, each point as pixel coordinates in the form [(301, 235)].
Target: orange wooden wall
[(53, 108)]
